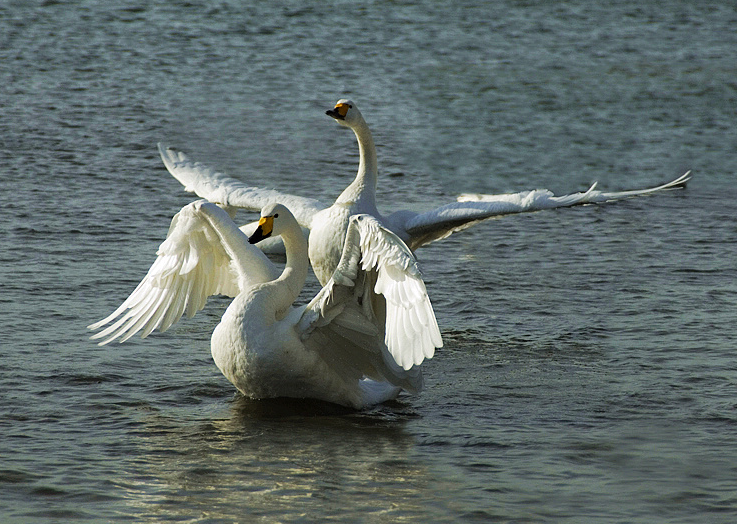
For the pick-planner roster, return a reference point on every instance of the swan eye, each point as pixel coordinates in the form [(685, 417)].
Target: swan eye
[(276, 215)]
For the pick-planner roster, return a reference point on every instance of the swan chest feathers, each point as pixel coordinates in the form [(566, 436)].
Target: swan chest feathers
[(254, 350), (263, 357), (327, 235)]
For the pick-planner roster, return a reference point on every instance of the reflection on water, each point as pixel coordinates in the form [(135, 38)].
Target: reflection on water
[(281, 459)]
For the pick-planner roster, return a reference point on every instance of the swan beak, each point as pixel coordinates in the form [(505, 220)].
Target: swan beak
[(264, 229), (339, 111)]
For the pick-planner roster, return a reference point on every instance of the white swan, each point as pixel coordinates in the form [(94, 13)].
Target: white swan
[(328, 224), (329, 349)]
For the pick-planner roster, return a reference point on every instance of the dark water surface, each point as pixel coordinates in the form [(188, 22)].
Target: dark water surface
[(589, 372)]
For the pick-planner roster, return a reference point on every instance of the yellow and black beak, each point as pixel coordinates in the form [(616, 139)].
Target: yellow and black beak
[(339, 111), (264, 229)]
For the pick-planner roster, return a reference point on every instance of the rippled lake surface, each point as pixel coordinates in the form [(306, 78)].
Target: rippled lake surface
[(589, 372)]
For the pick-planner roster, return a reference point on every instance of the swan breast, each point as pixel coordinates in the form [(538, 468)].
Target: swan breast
[(327, 236)]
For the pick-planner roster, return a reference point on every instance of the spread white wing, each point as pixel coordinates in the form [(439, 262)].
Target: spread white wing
[(229, 192), (418, 229), (378, 289), (204, 254)]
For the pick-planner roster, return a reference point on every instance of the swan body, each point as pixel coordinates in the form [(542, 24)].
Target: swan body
[(328, 227), (329, 349), (326, 236)]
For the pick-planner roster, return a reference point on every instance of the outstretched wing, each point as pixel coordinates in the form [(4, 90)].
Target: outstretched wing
[(229, 192), (377, 291), (420, 229), (204, 254)]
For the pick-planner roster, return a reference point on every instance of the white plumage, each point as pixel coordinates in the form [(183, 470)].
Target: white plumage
[(328, 224), (330, 349)]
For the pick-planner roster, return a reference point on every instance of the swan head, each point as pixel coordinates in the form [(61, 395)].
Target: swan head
[(345, 112), (275, 219)]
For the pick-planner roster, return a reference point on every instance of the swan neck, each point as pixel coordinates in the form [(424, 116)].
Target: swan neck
[(294, 275), (367, 175), (367, 166)]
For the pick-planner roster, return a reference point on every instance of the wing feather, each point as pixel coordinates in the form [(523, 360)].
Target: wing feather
[(375, 262), (412, 332), (204, 254), (423, 228), (227, 191)]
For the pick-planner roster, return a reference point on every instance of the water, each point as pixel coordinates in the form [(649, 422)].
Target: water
[(589, 366)]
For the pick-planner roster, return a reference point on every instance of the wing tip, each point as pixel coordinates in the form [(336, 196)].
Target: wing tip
[(682, 181)]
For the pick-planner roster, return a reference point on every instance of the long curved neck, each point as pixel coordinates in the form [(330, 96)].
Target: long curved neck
[(364, 185), (292, 279)]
